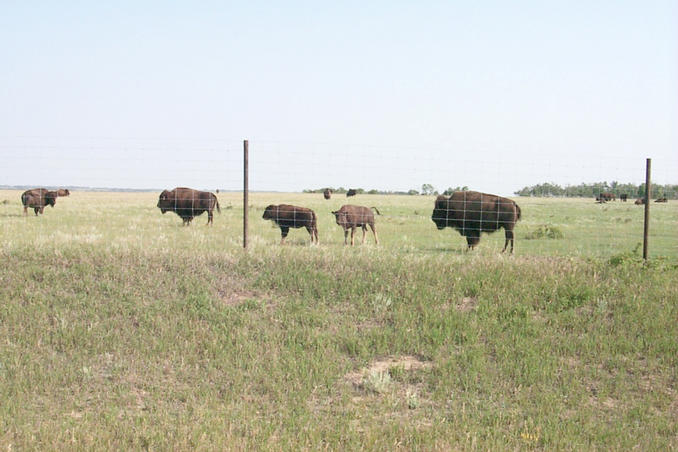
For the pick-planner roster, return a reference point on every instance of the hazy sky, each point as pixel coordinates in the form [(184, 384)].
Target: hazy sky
[(494, 95)]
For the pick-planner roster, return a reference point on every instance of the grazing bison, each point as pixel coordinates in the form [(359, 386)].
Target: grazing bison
[(327, 193), (287, 216), (471, 212), (639, 201), (606, 196), (623, 197), (188, 203), (38, 198), (661, 200), (351, 192), (350, 217), (63, 192)]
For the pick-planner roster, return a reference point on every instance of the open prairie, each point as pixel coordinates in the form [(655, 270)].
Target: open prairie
[(122, 329)]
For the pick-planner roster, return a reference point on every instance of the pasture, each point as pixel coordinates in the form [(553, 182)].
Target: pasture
[(122, 329)]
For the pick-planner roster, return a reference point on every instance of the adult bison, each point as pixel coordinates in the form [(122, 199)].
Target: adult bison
[(606, 196), (287, 216), (38, 198), (63, 192), (623, 197), (471, 212), (351, 217), (351, 192), (188, 203), (327, 193)]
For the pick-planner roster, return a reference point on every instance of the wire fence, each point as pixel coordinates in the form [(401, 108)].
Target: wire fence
[(405, 184)]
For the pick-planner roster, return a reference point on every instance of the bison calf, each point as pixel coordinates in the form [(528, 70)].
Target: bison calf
[(287, 216), (350, 217), (471, 212), (38, 198), (327, 193), (188, 203)]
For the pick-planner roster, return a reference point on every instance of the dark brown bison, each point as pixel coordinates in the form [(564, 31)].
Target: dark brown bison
[(38, 198), (351, 217), (623, 197), (287, 216), (639, 201), (63, 192), (351, 192), (327, 193), (188, 203), (661, 200), (471, 212), (606, 196)]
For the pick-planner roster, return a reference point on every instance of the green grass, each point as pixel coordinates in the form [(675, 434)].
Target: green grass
[(121, 329)]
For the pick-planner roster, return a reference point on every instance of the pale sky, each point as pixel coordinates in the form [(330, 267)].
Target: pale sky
[(494, 95)]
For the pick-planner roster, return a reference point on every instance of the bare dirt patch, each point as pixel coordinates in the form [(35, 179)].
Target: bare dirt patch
[(407, 363)]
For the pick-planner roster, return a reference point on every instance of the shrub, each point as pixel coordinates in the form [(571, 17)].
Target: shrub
[(544, 231)]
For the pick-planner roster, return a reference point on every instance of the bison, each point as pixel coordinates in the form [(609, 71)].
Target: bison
[(351, 192), (606, 196), (639, 201), (63, 192), (287, 216), (350, 217), (661, 200), (327, 193), (623, 197), (38, 198), (471, 212), (188, 203)]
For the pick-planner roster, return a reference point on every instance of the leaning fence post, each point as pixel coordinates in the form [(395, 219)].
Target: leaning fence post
[(245, 192), (648, 188)]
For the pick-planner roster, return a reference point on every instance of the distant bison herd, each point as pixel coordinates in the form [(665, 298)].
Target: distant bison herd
[(468, 212)]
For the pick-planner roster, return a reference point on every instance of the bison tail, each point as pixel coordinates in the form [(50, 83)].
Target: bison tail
[(24, 199), (376, 210), (518, 211)]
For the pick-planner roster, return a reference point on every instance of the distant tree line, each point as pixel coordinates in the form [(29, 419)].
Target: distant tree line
[(426, 189), (593, 189)]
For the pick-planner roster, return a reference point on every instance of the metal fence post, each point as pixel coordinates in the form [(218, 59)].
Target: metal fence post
[(648, 189), (245, 192)]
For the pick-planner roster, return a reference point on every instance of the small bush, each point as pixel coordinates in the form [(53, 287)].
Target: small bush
[(544, 231), (378, 382)]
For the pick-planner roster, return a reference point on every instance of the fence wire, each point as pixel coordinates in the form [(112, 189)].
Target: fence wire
[(404, 183)]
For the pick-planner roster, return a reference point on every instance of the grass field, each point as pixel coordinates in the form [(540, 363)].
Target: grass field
[(121, 329)]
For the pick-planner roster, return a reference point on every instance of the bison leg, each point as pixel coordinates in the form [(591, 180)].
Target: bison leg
[(346, 236), (313, 233), (374, 231), (509, 236), (472, 241), (284, 230), (37, 210), (25, 210), (364, 228), (352, 233), (209, 217)]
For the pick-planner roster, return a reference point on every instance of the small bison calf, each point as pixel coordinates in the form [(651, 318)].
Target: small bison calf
[(287, 216), (350, 217)]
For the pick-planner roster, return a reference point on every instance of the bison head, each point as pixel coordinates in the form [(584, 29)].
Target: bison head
[(340, 217), (441, 212), (271, 212), (50, 198), (165, 201)]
